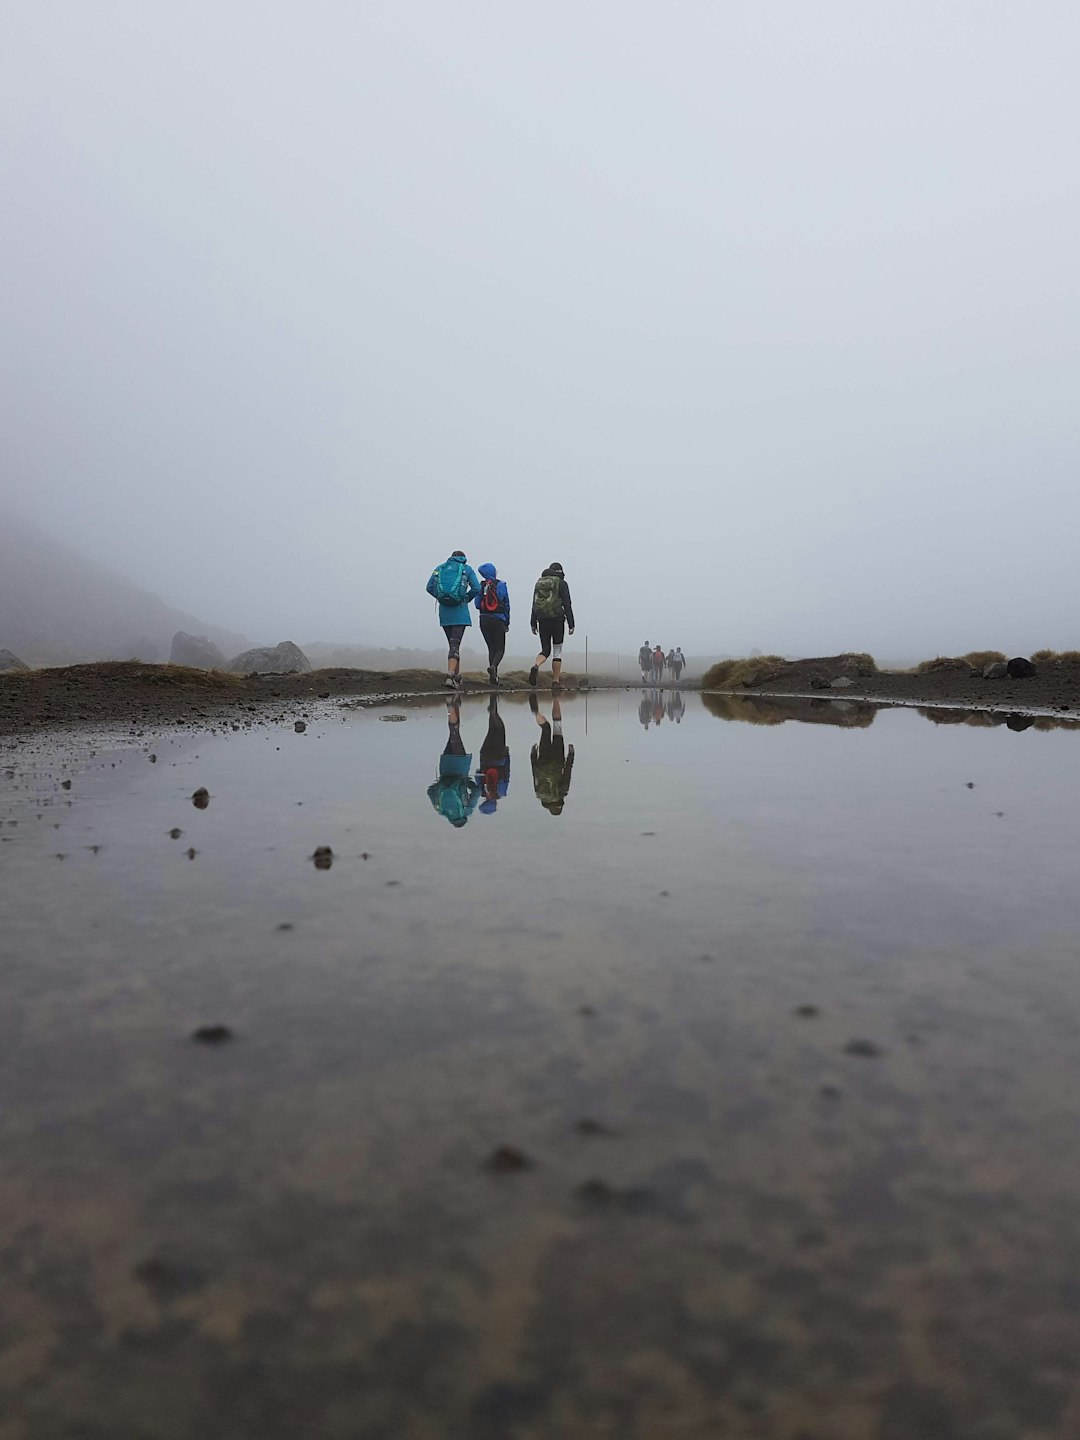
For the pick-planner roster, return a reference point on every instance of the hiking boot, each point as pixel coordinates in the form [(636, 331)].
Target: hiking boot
[(450, 682), (492, 677), (532, 676)]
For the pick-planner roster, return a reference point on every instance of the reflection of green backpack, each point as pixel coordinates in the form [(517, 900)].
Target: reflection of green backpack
[(546, 600)]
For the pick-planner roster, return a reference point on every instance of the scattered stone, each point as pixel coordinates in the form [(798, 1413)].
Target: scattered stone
[(393, 718), (196, 651), (995, 671), (323, 857), (283, 659), (200, 798), (212, 1034), (153, 759), (299, 727), (324, 694), (648, 833), (841, 682), (969, 784), (586, 1010), (507, 1160), (191, 852), (285, 925), (807, 1012), (175, 833), (65, 784), (819, 682), (1020, 668), (865, 1049), (585, 1126), (830, 1092)]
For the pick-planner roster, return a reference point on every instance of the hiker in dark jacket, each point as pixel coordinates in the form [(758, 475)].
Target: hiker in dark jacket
[(453, 584), (552, 761), (493, 777), (644, 656), (552, 615), (493, 602)]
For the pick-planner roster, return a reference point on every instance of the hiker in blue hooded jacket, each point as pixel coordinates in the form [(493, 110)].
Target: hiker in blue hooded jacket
[(455, 793), (454, 585), (493, 602)]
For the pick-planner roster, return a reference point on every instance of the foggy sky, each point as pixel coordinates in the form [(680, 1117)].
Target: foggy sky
[(761, 318)]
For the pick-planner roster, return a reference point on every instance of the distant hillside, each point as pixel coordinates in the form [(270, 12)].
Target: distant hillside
[(59, 608)]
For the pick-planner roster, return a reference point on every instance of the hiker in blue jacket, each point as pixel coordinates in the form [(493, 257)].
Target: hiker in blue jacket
[(493, 777), (493, 602), (453, 585)]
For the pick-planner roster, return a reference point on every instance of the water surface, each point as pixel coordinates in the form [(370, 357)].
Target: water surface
[(780, 1016)]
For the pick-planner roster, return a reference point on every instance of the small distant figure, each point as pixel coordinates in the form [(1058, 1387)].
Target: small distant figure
[(453, 585), (676, 661), (657, 665), (552, 761), (493, 603), (493, 777), (644, 656), (552, 615), (455, 793)]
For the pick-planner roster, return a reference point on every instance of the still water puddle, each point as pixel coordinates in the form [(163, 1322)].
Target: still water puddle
[(629, 1068)]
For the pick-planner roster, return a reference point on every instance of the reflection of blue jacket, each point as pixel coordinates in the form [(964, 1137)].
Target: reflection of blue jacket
[(503, 595), (455, 614), (455, 793)]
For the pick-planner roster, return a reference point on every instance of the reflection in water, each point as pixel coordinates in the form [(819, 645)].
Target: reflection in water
[(552, 760), (652, 710), (995, 719), (455, 793), (771, 710), (676, 706), (493, 777)]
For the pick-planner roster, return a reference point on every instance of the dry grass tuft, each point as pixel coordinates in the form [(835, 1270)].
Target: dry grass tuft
[(981, 658), (1056, 657), (727, 674), (943, 662)]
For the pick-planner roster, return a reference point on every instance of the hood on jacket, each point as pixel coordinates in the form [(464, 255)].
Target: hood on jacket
[(489, 572)]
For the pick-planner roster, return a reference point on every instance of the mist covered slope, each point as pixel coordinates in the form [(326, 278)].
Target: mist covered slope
[(59, 608)]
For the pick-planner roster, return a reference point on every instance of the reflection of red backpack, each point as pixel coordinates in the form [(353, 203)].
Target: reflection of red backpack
[(489, 597), (491, 783)]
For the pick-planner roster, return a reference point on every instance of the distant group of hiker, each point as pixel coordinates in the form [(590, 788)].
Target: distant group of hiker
[(456, 792), (652, 660), (456, 587)]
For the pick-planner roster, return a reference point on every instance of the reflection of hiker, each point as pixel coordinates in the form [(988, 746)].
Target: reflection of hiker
[(677, 660), (493, 777), (657, 707), (455, 793), (644, 710), (676, 706), (552, 614), (493, 602), (657, 665), (644, 656), (551, 761), (454, 584)]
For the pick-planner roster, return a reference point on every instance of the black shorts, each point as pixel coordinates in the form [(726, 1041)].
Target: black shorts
[(551, 632)]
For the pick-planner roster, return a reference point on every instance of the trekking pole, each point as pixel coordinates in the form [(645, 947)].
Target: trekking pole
[(586, 659)]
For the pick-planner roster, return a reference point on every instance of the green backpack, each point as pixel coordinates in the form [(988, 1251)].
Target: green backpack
[(546, 600)]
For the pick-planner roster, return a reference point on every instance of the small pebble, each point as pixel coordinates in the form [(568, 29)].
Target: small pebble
[(299, 727), (507, 1160), (191, 852), (586, 1010), (200, 798), (323, 857), (863, 1048), (807, 1012), (970, 785), (175, 833), (65, 784), (212, 1034), (592, 1127), (285, 925)]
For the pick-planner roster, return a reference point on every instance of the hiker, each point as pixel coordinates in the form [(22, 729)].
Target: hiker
[(493, 602), (453, 585), (552, 615), (552, 762), (644, 656), (493, 777), (669, 660), (455, 793), (677, 660), (657, 665)]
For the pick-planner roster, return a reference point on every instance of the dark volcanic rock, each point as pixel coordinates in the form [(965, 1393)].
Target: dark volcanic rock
[(212, 1034), (283, 659), (1020, 668), (196, 651), (200, 798), (507, 1160)]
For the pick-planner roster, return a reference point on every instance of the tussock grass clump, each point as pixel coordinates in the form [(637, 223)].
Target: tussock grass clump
[(1056, 657), (726, 674), (981, 658), (943, 662), (858, 660)]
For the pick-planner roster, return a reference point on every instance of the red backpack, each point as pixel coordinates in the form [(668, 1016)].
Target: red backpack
[(489, 597)]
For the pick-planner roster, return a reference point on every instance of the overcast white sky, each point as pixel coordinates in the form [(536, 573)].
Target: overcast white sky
[(761, 317)]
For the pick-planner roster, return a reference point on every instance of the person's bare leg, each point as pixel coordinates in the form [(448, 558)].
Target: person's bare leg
[(452, 665)]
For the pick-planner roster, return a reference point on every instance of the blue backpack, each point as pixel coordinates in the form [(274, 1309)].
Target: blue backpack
[(451, 582)]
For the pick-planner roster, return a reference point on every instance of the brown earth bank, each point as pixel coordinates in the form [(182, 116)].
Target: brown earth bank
[(127, 692), (1054, 687)]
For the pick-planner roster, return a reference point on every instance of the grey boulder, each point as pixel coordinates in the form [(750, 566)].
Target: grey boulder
[(841, 682), (9, 662), (996, 670), (196, 651), (283, 659)]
